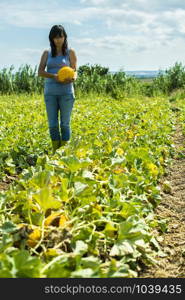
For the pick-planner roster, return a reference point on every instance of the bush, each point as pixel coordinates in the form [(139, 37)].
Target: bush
[(90, 70), (172, 79)]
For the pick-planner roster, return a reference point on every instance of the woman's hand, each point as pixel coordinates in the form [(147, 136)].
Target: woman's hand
[(68, 80), (55, 76)]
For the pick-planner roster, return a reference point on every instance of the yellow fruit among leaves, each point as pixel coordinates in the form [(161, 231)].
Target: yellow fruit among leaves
[(62, 221), (52, 219), (34, 237), (119, 151), (56, 219), (66, 73), (119, 170), (51, 252)]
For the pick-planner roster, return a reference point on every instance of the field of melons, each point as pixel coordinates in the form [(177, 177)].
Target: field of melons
[(88, 210)]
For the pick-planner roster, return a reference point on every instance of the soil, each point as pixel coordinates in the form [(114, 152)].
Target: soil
[(4, 185), (172, 207)]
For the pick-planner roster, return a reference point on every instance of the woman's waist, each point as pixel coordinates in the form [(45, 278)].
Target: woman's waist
[(53, 81), (58, 88)]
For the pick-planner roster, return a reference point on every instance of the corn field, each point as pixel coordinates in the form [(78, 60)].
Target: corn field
[(94, 79)]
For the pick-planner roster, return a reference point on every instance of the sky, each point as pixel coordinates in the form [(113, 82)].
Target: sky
[(119, 34)]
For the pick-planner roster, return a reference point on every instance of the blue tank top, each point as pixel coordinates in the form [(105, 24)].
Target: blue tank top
[(51, 86)]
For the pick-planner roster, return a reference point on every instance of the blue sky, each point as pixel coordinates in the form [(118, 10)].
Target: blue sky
[(119, 34)]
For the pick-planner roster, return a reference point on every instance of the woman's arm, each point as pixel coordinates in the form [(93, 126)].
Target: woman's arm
[(42, 66), (73, 61)]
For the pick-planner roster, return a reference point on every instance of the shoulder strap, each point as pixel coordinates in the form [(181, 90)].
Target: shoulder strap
[(67, 54), (68, 51)]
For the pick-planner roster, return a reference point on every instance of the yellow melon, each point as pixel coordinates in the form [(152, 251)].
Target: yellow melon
[(65, 73), (63, 221), (50, 219), (34, 237)]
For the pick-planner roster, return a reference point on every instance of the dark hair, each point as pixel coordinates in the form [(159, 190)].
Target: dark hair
[(58, 30)]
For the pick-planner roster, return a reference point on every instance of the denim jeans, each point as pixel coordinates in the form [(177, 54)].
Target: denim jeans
[(64, 105)]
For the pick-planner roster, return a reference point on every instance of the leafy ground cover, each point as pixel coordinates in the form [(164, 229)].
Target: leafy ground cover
[(88, 210)]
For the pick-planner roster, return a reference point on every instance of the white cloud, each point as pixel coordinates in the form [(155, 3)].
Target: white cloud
[(103, 29), (94, 2), (128, 18), (142, 5), (118, 44), (41, 16)]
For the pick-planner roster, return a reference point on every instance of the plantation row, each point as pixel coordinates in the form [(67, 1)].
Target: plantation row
[(87, 211), (96, 79)]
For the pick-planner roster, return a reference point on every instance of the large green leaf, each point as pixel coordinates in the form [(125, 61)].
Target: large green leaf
[(8, 227), (80, 248), (46, 200)]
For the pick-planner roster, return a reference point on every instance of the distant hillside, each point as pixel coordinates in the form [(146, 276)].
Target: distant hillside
[(141, 73)]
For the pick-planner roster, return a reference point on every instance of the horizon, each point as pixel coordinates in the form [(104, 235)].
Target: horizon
[(134, 72), (16, 68)]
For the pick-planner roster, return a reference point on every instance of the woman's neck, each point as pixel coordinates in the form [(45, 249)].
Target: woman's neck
[(58, 51)]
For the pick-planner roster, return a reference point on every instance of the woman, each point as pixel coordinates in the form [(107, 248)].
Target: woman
[(58, 96)]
